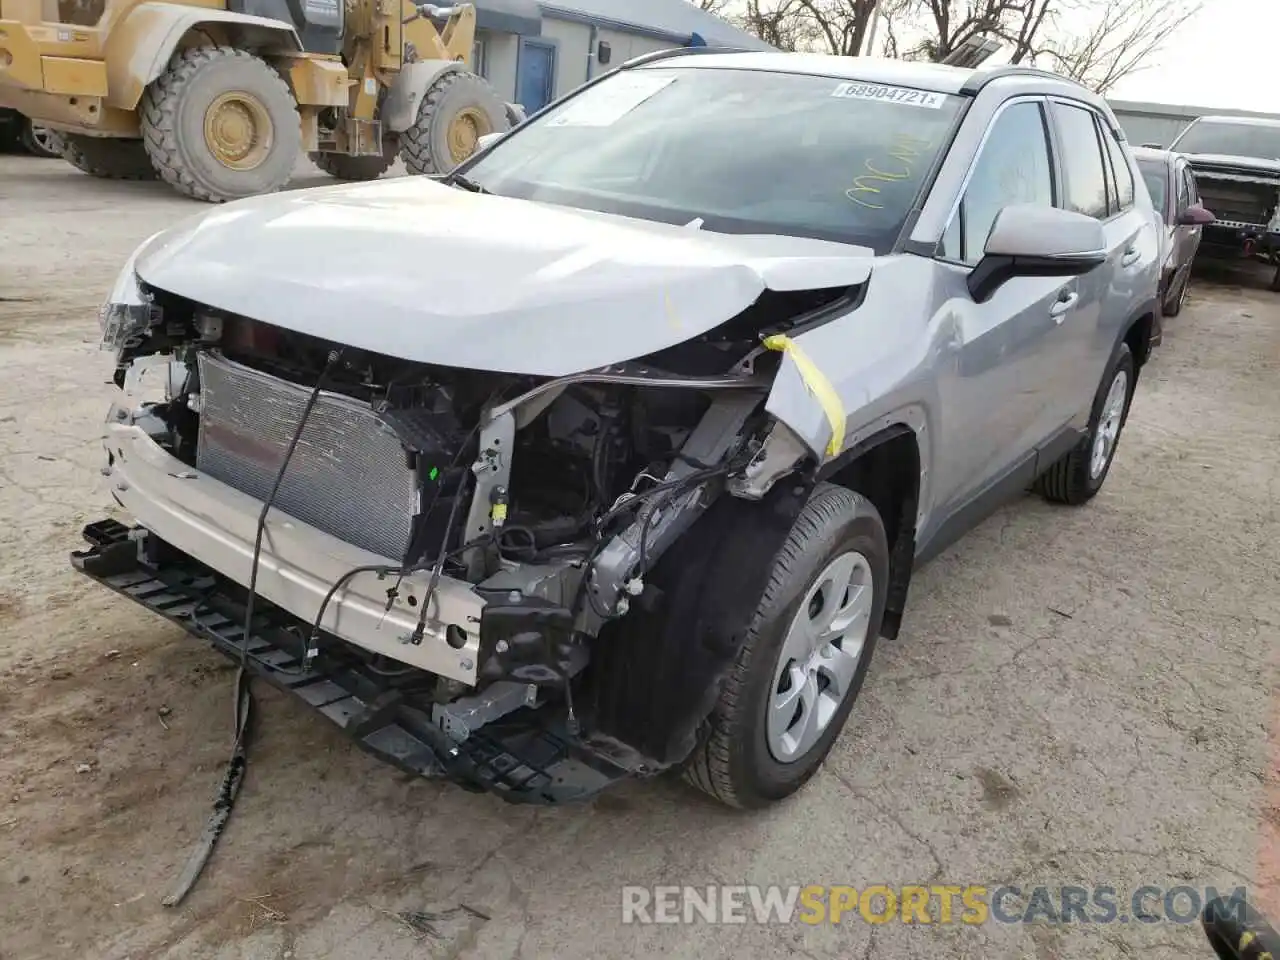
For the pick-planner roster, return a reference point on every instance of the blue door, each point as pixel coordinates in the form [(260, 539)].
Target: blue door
[(536, 82)]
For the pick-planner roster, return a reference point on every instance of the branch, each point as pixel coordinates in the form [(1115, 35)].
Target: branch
[(1125, 35)]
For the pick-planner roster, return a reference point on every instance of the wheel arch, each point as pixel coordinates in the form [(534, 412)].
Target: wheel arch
[(400, 110), (888, 467), (1143, 332), (138, 49)]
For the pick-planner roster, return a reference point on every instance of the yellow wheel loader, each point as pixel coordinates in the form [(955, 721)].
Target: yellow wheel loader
[(220, 98)]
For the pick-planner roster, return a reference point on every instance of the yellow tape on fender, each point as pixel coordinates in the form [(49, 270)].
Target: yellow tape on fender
[(817, 384)]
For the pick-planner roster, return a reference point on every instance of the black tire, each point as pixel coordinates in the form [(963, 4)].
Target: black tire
[(107, 157), (1275, 281), (1071, 480), (425, 147), (174, 108), (40, 141), (1176, 295), (734, 762), (343, 167)]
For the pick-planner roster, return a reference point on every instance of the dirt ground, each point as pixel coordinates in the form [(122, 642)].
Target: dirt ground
[(1078, 697)]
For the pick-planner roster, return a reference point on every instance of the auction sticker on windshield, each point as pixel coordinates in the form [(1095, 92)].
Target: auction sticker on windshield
[(608, 102), (887, 94)]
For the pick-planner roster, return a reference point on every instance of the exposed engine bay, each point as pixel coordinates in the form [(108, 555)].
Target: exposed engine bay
[(549, 502)]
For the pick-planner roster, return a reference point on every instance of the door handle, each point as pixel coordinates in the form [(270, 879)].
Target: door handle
[(1130, 257), (1063, 306)]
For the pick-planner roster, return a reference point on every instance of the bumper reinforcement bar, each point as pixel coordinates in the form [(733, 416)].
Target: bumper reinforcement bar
[(524, 758)]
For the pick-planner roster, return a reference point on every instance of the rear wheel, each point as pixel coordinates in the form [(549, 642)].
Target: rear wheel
[(800, 669), (40, 141), (1078, 476), (107, 157), (343, 167), (220, 124), (455, 112)]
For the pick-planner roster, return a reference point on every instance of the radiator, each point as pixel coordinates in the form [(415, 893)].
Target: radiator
[(348, 475)]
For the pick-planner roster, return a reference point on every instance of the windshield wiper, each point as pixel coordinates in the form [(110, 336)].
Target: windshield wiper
[(466, 183)]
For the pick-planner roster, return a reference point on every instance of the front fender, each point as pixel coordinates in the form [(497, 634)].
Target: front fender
[(400, 110), (139, 48)]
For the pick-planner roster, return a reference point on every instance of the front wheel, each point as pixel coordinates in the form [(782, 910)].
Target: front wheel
[(1078, 476), (220, 124), (794, 683)]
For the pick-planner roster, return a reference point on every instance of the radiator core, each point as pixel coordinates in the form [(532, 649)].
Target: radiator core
[(348, 476)]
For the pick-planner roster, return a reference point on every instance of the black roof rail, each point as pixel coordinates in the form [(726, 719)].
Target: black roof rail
[(646, 58), (981, 78)]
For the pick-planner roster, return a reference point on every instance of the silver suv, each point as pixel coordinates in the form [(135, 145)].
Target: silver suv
[(613, 451)]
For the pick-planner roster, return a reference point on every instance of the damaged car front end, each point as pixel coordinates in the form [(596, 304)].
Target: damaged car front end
[(458, 559), (613, 451)]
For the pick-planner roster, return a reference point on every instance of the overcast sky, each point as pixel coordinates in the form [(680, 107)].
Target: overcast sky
[(1221, 58)]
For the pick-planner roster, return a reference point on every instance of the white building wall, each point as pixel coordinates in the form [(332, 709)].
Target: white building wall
[(575, 60), (573, 41), (628, 45), (501, 51)]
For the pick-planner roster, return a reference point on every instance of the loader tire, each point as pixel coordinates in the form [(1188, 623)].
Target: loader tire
[(40, 141), (457, 109), (107, 157), (221, 124), (343, 167)]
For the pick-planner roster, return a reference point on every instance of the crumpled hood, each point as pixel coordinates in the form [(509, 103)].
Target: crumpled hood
[(414, 269)]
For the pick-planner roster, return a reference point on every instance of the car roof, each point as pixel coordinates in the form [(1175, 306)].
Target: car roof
[(934, 77), (1243, 121), (1152, 153)]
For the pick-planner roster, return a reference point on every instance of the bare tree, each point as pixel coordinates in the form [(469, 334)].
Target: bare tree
[(1122, 38), (1096, 42), (825, 26), (938, 27), (840, 26), (711, 6), (772, 21)]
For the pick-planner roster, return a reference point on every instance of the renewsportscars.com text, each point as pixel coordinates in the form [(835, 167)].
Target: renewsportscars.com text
[(972, 904)]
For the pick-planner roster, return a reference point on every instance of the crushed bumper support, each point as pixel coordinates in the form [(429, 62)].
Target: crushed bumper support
[(525, 758)]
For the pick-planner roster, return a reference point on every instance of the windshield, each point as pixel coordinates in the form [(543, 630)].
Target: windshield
[(1154, 173), (742, 151), (1230, 139)]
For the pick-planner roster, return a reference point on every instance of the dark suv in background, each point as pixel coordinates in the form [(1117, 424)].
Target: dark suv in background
[(1175, 197), (1236, 165)]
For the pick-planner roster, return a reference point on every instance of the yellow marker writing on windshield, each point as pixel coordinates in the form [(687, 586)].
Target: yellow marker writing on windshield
[(903, 149), (817, 384)]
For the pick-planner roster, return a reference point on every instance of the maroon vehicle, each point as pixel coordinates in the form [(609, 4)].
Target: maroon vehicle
[(1173, 194)]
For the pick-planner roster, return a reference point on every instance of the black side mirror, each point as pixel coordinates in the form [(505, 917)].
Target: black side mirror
[(604, 52)]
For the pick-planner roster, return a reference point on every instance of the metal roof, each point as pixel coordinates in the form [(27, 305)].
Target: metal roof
[(676, 20), (1244, 121), (1177, 111)]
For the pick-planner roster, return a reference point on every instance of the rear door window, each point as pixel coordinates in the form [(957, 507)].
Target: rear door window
[(1123, 176), (1082, 161), (1189, 182)]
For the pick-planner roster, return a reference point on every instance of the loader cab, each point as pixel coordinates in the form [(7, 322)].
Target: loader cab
[(319, 22)]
